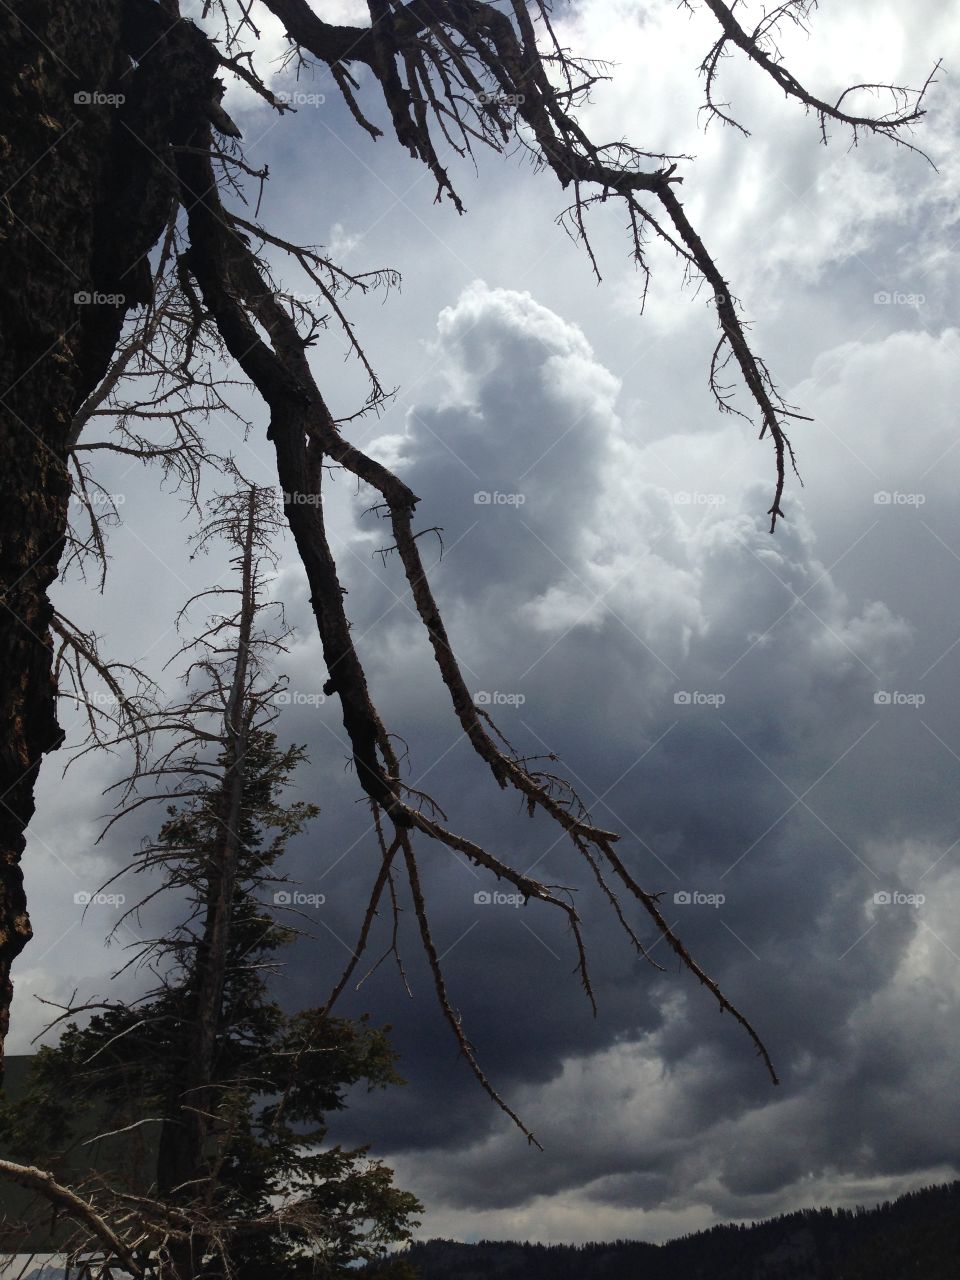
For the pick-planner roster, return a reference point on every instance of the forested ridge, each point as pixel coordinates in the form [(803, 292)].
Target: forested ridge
[(916, 1235)]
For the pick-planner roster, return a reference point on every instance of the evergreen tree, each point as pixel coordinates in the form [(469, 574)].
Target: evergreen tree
[(234, 1088)]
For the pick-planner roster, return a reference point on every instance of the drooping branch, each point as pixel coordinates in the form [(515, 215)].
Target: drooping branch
[(753, 370), (491, 70), (122, 709), (477, 74), (759, 46), (236, 293), (67, 1201)]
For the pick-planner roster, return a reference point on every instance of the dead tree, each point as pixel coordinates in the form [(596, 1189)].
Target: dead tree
[(236, 1090), (166, 155)]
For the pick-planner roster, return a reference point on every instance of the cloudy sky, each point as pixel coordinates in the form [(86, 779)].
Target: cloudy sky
[(770, 722)]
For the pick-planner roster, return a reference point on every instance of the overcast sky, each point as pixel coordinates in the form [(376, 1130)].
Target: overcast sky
[(771, 722)]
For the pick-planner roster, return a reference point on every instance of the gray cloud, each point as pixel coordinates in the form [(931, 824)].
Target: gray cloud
[(780, 798), (636, 567)]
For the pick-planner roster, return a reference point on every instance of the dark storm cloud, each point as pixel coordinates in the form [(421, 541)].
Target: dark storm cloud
[(600, 596), (636, 567), (780, 798)]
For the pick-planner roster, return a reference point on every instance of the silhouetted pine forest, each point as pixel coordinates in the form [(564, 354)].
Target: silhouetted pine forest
[(917, 1235)]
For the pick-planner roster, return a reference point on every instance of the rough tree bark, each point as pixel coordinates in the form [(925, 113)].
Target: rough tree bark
[(54, 169), (85, 196)]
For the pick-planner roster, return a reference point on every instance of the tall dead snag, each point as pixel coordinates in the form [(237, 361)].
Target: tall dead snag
[(246, 523), (222, 1093), (466, 72), (209, 747)]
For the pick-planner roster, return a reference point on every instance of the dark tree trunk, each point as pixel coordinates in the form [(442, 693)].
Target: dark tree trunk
[(85, 134)]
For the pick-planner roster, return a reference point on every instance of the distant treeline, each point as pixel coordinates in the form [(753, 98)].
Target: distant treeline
[(917, 1235)]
